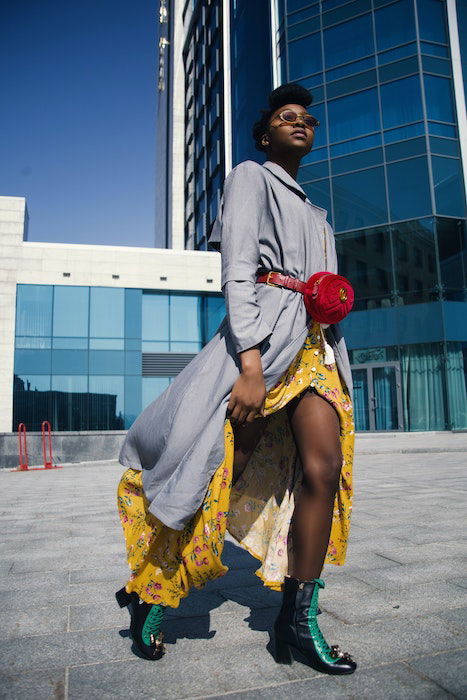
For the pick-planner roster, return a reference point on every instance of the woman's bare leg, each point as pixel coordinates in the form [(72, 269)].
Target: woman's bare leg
[(246, 437), (316, 429)]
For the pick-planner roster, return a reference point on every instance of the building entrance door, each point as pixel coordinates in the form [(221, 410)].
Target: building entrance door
[(377, 396)]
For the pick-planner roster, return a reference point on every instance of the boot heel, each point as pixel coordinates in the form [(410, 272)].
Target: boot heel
[(283, 653), (123, 598)]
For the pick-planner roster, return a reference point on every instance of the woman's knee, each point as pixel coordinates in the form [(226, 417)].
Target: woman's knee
[(321, 472)]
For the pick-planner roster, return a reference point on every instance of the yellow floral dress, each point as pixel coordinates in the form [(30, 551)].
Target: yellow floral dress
[(165, 563)]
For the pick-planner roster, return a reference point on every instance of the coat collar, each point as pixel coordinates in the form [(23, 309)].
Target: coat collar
[(292, 184)]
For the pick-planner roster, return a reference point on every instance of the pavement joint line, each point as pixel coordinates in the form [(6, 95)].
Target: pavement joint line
[(67, 681), (424, 677)]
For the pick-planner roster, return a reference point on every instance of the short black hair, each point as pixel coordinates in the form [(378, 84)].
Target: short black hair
[(289, 93)]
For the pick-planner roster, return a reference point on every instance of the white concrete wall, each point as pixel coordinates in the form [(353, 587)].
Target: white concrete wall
[(25, 262), (12, 219)]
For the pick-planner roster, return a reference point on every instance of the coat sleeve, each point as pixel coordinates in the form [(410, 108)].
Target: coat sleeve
[(237, 231)]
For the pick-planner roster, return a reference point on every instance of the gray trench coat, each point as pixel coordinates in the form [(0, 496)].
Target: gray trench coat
[(265, 220)]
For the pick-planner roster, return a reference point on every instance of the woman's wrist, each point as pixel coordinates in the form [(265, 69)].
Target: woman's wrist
[(250, 361)]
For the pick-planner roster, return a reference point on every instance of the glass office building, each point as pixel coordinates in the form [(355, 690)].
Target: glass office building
[(98, 367), (386, 165)]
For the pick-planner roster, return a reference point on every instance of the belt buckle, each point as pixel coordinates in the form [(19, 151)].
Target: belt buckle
[(271, 284)]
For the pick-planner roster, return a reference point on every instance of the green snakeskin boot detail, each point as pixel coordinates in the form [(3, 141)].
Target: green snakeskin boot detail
[(297, 628), (145, 626)]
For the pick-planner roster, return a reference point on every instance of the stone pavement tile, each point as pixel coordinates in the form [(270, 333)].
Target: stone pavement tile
[(27, 566), (54, 651), (37, 582), (57, 594), (119, 573), (384, 641), (418, 600), (460, 581), (449, 671), (197, 672), (33, 620), (363, 560), (404, 576), (101, 616), (39, 685), (388, 682), (457, 617)]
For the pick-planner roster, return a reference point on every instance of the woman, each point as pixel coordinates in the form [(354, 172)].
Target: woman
[(258, 427)]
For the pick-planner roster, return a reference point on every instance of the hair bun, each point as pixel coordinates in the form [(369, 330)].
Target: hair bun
[(290, 93)]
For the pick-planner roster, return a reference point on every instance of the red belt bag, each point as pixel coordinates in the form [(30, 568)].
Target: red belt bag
[(328, 297)]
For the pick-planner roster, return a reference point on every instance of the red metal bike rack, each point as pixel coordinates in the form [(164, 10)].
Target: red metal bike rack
[(46, 449), (47, 438), (23, 449)]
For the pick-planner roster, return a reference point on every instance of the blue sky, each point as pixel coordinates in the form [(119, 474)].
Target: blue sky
[(77, 122)]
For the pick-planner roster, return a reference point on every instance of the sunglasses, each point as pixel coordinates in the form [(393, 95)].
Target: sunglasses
[(291, 117)]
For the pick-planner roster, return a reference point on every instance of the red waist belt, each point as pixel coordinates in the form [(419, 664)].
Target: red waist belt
[(328, 297)]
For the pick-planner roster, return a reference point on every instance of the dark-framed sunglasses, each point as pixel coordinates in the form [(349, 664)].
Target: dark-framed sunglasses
[(291, 117)]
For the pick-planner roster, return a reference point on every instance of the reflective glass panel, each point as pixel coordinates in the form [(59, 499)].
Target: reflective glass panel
[(352, 83), (365, 258), (340, 45), (69, 362), (415, 253), (449, 186), (185, 318), (106, 362), (360, 402), (384, 386), (70, 343), (302, 28), (434, 49), (359, 199), (432, 21), (32, 361), (395, 24), (313, 172), (444, 147), (215, 312), (152, 387), (347, 10), (305, 56), (422, 386), (409, 189), (439, 98), (349, 68), (133, 398), (133, 301), (431, 64), (106, 343), (133, 362), (106, 403), (354, 145), (452, 250), (404, 132), (399, 52), (155, 317), (401, 102), (107, 312), (70, 403), (31, 401), (353, 115), (34, 309), (32, 342), (357, 161), (406, 149), (398, 69), (442, 130), (318, 193), (71, 311)]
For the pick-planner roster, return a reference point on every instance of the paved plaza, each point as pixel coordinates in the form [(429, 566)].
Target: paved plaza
[(398, 606)]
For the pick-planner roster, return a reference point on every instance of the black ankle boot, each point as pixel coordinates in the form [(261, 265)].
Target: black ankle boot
[(297, 627), (145, 626)]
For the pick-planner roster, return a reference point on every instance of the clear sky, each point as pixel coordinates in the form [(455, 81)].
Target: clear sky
[(77, 117)]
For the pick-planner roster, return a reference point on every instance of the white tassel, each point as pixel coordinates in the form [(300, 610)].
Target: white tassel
[(329, 357)]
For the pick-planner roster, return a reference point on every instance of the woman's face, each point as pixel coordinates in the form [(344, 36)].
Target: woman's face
[(286, 137)]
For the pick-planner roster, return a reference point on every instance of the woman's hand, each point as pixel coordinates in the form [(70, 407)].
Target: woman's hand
[(249, 391)]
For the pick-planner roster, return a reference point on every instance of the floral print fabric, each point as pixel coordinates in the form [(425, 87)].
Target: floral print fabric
[(165, 563)]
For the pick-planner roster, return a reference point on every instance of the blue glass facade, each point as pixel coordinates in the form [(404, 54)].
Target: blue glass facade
[(91, 358), (386, 165)]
